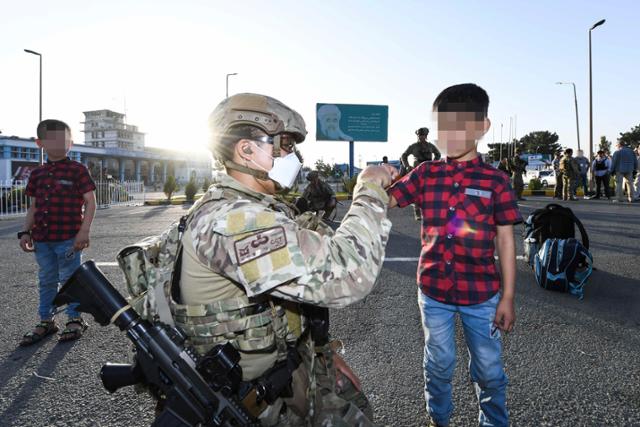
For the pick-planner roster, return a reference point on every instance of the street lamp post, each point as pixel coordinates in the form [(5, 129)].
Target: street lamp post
[(40, 98), (597, 24), (230, 74), (575, 101)]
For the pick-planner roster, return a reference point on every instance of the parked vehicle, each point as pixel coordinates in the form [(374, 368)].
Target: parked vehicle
[(547, 177)]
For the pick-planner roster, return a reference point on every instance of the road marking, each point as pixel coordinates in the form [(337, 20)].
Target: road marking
[(107, 264)]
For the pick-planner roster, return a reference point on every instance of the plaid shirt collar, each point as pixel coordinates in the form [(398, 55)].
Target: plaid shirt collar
[(477, 161), (58, 162)]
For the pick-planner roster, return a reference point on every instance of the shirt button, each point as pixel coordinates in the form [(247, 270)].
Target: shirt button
[(449, 236), (45, 224), (448, 262), (452, 208), (456, 185)]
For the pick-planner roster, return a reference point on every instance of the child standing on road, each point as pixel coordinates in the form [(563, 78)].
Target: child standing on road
[(465, 205), (55, 227)]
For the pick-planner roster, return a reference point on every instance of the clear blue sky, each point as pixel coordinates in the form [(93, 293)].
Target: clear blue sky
[(169, 60)]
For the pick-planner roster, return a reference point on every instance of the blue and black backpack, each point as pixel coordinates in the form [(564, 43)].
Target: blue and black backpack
[(560, 262), (563, 265)]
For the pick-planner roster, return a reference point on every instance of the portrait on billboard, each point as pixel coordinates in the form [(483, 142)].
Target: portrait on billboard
[(329, 124)]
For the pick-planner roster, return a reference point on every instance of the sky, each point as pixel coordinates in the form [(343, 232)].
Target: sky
[(164, 63)]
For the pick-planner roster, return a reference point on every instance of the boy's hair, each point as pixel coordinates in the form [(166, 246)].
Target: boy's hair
[(51, 125), (568, 151), (466, 97)]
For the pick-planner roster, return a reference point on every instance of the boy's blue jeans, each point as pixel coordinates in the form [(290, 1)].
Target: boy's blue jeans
[(485, 353), (57, 262)]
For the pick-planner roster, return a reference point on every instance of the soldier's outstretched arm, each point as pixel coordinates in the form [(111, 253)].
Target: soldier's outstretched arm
[(264, 251)]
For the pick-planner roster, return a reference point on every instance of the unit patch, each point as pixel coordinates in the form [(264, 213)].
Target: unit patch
[(260, 244)]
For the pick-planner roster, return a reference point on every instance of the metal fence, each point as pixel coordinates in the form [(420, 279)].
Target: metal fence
[(14, 202), (119, 193)]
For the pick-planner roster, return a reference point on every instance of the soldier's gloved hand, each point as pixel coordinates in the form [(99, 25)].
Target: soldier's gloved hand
[(382, 175), (344, 372)]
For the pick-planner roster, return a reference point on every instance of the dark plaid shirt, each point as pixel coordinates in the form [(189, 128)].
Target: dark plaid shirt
[(58, 188), (461, 204)]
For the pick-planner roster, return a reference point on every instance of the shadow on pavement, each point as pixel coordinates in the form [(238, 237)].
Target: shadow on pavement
[(30, 387)]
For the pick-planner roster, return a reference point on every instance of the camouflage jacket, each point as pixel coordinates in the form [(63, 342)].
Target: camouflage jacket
[(517, 166), (318, 195), (569, 167), (422, 152), (242, 238)]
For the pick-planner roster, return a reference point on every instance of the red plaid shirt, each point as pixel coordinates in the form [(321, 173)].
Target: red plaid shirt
[(461, 204), (58, 188)]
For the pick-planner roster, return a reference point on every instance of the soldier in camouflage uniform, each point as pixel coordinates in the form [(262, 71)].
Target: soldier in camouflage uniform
[(250, 272), (422, 151), (517, 167), (570, 173), (317, 196)]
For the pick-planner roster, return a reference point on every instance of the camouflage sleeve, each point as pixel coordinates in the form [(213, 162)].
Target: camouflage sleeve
[(342, 269), (264, 251), (404, 159)]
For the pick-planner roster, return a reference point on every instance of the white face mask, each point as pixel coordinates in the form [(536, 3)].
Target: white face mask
[(285, 169)]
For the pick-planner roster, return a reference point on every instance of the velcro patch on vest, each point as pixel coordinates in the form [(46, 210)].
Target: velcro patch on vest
[(259, 244), (478, 193)]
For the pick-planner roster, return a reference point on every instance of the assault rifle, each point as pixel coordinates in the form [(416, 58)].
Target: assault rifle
[(196, 390)]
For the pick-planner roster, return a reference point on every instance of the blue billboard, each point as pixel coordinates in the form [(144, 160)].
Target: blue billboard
[(352, 122)]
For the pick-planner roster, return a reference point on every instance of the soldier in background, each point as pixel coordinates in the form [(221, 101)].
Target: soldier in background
[(253, 276), (570, 173), (557, 193), (422, 151), (517, 166), (318, 196)]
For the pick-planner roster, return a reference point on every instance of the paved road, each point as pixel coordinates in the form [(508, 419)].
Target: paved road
[(569, 362)]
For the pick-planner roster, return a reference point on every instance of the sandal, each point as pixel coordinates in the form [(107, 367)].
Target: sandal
[(47, 327), (70, 332)]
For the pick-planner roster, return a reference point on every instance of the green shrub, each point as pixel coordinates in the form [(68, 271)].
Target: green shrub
[(535, 184), (349, 184), (206, 184), (190, 190), (170, 187)]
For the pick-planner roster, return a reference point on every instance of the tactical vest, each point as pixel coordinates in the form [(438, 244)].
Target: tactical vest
[(261, 328)]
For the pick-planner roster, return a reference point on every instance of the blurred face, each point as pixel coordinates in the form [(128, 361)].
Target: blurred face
[(459, 132), (56, 143), (580, 153), (422, 138)]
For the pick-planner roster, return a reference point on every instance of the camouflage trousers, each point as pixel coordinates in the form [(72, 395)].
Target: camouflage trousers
[(332, 406), (568, 187)]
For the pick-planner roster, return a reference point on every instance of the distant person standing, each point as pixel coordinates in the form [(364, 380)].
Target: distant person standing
[(504, 167), (518, 166), (570, 173), (56, 228), (583, 165), (422, 151), (637, 182), (600, 168), (385, 159), (557, 193), (624, 165)]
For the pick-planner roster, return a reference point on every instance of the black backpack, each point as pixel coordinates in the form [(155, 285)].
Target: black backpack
[(551, 222)]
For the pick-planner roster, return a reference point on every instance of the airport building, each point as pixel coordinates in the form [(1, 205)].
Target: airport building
[(112, 149)]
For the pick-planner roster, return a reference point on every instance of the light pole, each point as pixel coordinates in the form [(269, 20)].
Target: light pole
[(231, 74), (575, 100), (40, 103), (597, 24)]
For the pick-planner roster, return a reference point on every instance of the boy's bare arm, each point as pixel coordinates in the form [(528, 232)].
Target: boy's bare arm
[(26, 243), (82, 238), (505, 244), (392, 201)]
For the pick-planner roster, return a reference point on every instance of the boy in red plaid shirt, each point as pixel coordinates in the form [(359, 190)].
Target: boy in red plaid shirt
[(466, 205), (55, 227)]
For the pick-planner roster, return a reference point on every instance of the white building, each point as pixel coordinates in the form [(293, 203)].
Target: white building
[(112, 148)]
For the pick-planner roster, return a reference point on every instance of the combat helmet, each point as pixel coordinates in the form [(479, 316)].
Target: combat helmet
[(259, 111)]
